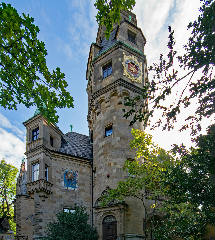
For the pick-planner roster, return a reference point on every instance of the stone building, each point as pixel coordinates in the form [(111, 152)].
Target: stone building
[(68, 169)]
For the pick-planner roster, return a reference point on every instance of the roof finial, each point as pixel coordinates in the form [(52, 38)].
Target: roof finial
[(71, 127)]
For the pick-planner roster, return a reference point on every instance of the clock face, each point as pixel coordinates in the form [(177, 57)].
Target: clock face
[(132, 68)]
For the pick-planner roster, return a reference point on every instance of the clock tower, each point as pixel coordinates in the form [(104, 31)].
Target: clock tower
[(116, 69)]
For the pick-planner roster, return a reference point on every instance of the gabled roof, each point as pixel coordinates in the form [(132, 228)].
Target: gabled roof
[(77, 145)]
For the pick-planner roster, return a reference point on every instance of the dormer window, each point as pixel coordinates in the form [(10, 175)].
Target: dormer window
[(108, 131), (51, 141), (35, 134), (107, 70), (131, 37)]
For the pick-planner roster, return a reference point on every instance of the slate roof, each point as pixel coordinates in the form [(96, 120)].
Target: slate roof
[(77, 145), (105, 44)]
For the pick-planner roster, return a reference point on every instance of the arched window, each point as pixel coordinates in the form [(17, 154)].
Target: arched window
[(109, 228)]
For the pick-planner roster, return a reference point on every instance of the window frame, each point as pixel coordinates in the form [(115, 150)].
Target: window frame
[(35, 171), (70, 210), (107, 70), (35, 134), (51, 141), (109, 128), (132, 37), (46, 172)]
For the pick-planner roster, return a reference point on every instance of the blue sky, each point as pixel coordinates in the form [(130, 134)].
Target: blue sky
[(68, 27)]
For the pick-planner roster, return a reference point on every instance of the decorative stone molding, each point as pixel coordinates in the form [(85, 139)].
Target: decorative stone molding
[(132, 68), (34, 144), (40, 185), (114, 85)]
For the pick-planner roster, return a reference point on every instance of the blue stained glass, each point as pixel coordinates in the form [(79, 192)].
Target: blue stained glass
[(71, 179)]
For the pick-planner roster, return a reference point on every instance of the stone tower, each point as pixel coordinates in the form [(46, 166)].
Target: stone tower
[(116, 69), (65, 170)]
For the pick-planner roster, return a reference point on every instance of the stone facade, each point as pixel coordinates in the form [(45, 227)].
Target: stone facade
[(68, 169)]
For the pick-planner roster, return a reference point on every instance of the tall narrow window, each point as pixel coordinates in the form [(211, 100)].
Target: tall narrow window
[(91, 136), (51, 141), (107, 70), (108, 130), (131, 37), (35, 134), (46, 172), (35, 172)]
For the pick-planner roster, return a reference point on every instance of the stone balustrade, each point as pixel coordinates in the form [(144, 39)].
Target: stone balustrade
[(40, 185)]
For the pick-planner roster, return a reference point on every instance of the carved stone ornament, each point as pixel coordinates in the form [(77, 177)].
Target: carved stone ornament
[(132, 68)]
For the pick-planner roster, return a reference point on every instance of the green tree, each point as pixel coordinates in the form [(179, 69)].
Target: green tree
[(180, 190), (71, 226), (8, 175), (190, 191), (145, 175), (185, 77), (24, 75), (109, 12)]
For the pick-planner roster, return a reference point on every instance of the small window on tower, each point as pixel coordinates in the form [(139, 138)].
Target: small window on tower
[(51, 141), (108, 130), (131, 37), (107, 70), (35, 134)]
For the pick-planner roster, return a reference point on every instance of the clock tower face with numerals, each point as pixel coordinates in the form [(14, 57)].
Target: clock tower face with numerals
[(132, 68)]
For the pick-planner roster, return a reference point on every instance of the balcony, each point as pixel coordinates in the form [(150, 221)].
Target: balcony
[(40, 185)]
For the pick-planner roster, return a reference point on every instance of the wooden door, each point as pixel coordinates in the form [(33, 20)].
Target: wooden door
[(109, 228)]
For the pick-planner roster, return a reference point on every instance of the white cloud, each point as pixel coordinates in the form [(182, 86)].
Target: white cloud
[(12, 148), (82, 28), (154, 17), (5, 123)]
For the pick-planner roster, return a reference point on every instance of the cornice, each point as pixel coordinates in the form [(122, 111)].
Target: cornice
[(114, 85), (70, 157)]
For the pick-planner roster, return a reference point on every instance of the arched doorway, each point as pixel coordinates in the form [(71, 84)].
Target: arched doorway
[(109, 228)]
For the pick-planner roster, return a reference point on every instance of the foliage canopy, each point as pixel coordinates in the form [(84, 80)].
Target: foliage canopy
[(24, 75), (8, 175), (179, 187), (109, 12), (186, 78), (71, 226)]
